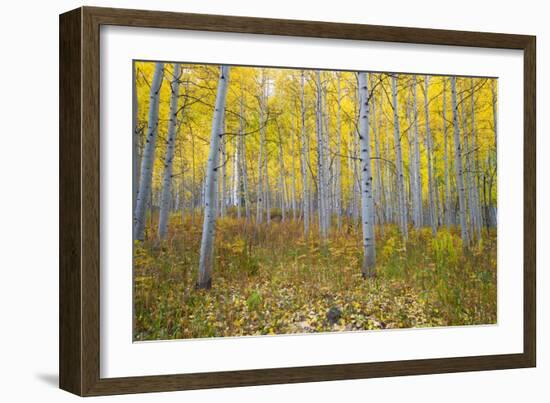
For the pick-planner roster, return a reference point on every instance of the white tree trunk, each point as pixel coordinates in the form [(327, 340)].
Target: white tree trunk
[(223, 162), (282, 192), (327, 152), (367, 201), (326, 155), (446, 159), (389, 194), (468, 170), (321, 187), (135, 141), (304, 159), (356, 176), (267, 193), (260, 190), (244, 196), (236, 183), (458, 167), (431, 184), (411, 200), (410, 196), (417, 203), (351, 165), (148, 159), (356, 164), (293, 190), (338, 159), (169, 157), (473, 165), (402, 208), (376, 123), (207, 241), (235, 176)]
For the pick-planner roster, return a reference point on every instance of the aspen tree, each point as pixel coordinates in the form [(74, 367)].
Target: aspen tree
[(417, 195), (147, 162), (169, 157), (259, 193), (458, 167), (208, 230), (402, 208), (338, 157), (446, 158), (367, 201), (321, 161), (431, 185), (304, 159)]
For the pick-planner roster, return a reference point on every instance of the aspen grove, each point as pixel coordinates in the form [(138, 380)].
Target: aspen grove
[(275, 200)]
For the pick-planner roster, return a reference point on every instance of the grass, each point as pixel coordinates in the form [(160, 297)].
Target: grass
[(270, 280)]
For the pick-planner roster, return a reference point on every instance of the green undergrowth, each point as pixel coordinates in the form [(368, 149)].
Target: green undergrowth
[(269, 279)]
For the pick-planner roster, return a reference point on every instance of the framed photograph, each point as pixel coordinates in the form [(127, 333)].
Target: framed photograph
[(249, 201)]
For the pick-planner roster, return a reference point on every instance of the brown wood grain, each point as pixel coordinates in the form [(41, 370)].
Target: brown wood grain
[(80, 194), (530, 202), (70, 271)]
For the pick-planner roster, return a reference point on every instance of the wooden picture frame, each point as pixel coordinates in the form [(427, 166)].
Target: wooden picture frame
[(79, 349)]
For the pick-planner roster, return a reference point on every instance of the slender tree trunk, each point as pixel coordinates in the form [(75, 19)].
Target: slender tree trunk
[(259, 202), (326, 154), (329, 205), (193, 179), (169, 157), (293, 177), (338, 159), (367, 202), (431, 185), (389, 194), (356, 167), (418, 220), (470, 209), (311, 181), (321, 161), (410, 196), (267, 194), (378, 192), (446, 159), (458, 167), (304, 158), (437, 196), (411, 202), (354, 135), (402, 208), (207, 242), (235, 198), (282, 178), (473, 165), (244, 196), (223, 162), (147, 162), (351, 170), (135, 141), (182, 183)]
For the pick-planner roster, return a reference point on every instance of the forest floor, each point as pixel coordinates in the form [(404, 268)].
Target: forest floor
[(268, 279)]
